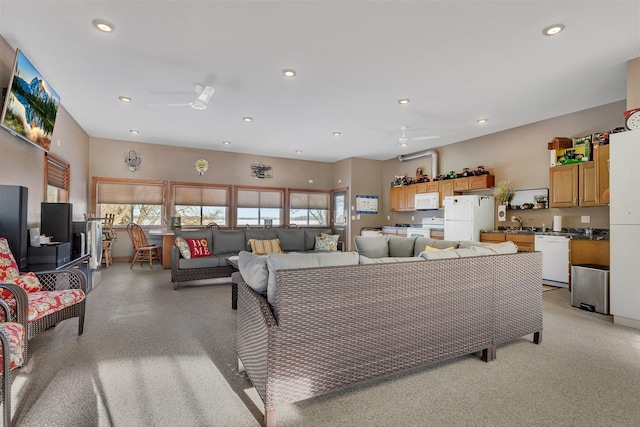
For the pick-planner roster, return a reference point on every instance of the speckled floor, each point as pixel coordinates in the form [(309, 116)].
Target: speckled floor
[(154, 356)]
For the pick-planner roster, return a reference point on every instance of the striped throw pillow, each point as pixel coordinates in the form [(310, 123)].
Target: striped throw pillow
[(261, 247)]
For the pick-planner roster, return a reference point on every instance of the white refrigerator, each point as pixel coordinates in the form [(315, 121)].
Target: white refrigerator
[(624, 233), (465, 216)]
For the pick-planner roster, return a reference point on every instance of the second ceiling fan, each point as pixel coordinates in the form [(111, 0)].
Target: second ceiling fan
[(404, 139)]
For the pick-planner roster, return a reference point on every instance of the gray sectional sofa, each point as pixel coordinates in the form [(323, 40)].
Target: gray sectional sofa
[(225, 243), (331, 327)]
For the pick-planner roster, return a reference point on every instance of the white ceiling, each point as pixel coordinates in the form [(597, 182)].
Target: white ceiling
[(457, 61)]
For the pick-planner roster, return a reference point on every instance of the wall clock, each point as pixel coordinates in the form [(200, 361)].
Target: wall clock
[(201, 166), (632, 119)]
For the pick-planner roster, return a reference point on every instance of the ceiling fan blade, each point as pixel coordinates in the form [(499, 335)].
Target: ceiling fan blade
[(184, 104), (420, 138)]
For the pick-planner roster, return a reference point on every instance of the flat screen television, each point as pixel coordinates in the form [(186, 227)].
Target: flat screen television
[(30, 105)]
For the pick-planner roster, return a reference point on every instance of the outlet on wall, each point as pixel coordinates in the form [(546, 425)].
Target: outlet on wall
[(585, 219), (513, 218)]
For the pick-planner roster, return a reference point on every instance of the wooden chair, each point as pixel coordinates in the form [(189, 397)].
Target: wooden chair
[(213, 225), (143, 251)]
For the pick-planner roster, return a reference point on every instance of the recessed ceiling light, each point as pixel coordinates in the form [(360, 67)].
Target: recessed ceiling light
[(482, 121), (289, 73), (247, 119), (336, 133), (134, 131), (298, 151), (103, 25), (124, 99), (552, 30), (226, 142), (404, 145), (403, 101)]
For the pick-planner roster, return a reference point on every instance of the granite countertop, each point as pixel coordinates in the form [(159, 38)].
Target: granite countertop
[(572, 233)]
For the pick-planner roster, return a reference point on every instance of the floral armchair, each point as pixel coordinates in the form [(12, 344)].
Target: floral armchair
[(12, 339), (52, 296)]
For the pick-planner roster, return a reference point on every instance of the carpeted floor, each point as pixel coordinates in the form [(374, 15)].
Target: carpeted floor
[(154, 356)]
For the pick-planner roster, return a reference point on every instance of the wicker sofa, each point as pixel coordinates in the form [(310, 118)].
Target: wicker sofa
[(226, 243), (332, 327)]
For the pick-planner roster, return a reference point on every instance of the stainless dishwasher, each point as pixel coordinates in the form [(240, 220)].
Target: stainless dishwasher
[(555, 259)]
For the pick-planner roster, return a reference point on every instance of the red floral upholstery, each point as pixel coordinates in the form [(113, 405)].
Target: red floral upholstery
[(47, 302), (15, 332), (8, 266)]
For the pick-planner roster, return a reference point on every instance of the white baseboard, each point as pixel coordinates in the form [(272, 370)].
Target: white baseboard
[(626, 321)]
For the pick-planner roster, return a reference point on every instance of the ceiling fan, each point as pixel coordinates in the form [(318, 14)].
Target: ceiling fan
[(204, 95), (404, 139)]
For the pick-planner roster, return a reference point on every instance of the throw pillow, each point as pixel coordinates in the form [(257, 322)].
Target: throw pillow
[(327, 242), (254, 271), (430, 249), (183, 246), (8, 266), (401, 246), (198, 247), (439, 255), (263, 247), (27, 281), (372, 247)]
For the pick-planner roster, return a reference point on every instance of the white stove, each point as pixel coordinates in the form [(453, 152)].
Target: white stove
[(428, 224)]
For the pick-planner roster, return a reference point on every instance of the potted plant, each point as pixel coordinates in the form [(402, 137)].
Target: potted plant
[(504, 192)]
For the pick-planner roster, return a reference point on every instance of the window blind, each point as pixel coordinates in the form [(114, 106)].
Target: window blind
[(260, 199), (119, 193), (201, 196), (299, 200), (57, 172)]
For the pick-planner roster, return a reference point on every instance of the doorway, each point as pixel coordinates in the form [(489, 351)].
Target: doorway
[(340, 216)]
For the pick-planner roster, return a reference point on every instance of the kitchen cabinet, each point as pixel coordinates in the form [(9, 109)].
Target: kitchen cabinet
[(589, 252), (461, 184), (525, 242), (574, 185), (563, 186), (410, 197), (402, 198), (601, 158), (437, 234), (587, 184), (446, 189), (389, 230), (493, 237)]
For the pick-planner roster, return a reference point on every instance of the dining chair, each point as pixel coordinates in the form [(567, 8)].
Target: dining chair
[(213, 225), (143, 251)]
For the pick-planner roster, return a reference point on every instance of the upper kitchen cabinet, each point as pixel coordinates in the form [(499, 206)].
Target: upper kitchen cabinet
[(563, 186), (402, 198), (601, 157), (574, 185)]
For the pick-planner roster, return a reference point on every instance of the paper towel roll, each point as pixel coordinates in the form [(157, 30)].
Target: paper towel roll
[(557, 223)]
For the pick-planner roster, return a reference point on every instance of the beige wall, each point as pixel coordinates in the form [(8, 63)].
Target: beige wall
[(519, 155), (22, 163)]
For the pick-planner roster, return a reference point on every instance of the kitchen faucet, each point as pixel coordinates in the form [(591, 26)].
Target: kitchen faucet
[(517, 218)]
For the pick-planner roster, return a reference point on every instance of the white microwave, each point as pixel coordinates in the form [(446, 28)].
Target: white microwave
[(427, 201)]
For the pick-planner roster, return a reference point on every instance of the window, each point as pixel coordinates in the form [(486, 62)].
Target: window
[(309, 208), (200, 204), (255, 205), (130, 200), (56, 175)]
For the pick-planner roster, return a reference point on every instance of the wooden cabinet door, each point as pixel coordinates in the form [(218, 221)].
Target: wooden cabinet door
[(401, 199), (601, 157), (563, 186), (481, 181), (461, 184), (393, 199), (432, 187), (446, 189), (587, 184), (492, 237), (410, 198), (421, 188), (525, 242)]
